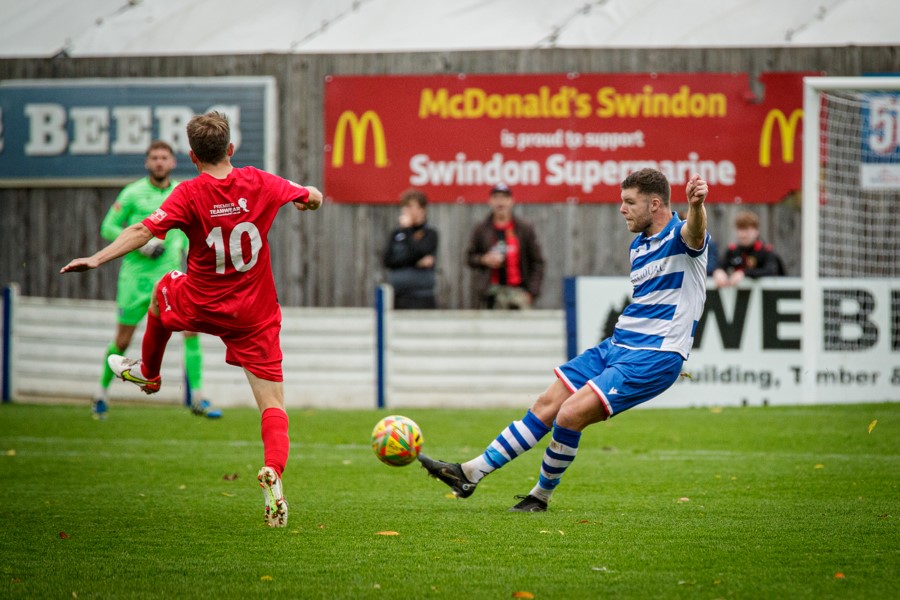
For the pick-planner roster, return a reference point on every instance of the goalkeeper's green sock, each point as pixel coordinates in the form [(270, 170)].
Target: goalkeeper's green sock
[(193, 365), (107, 375)]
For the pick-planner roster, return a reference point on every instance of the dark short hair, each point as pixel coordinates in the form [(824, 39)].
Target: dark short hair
[(209, 136), (159, 145), (414, 195), (649, 181)]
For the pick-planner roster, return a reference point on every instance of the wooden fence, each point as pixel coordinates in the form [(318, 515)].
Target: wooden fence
[(332, 258)]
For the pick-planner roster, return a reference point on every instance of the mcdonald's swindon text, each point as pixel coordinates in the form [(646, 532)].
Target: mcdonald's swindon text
[(560, 136)]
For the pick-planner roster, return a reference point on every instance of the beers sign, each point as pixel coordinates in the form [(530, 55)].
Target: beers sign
[(96, 131), (560, 137)]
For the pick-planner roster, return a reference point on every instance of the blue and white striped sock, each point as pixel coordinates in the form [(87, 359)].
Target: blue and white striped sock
[(516, 439), (557, 458)]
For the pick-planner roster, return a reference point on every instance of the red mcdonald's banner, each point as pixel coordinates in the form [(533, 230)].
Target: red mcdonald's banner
[(560, 137)]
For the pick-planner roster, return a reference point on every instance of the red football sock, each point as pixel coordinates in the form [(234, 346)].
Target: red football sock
[(153, 346), (276, 441)]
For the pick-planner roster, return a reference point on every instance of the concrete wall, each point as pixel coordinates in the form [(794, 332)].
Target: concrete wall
[(434, 358)]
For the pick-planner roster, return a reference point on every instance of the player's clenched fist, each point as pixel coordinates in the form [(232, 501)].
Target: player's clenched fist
[(697, 190), (313, 202)]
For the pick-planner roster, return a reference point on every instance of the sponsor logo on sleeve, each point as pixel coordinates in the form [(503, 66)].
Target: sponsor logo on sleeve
[(158, 216)]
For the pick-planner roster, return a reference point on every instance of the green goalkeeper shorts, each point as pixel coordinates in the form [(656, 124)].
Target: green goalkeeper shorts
[(133, 298)]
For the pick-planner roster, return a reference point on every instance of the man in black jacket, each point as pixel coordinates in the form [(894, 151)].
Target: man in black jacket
[(410, 254)]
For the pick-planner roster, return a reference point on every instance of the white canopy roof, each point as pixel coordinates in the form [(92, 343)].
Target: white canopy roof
[(179, 27)]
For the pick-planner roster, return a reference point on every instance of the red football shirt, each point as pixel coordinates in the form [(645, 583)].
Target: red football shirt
[(227, 222)]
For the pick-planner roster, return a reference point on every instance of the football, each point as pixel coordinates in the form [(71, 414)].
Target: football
[(396, 440)]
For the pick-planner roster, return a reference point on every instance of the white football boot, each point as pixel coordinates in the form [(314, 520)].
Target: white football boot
[(276, 505)]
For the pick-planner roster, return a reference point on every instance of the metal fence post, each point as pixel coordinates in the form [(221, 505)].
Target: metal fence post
[(10, 294), (384, 300)]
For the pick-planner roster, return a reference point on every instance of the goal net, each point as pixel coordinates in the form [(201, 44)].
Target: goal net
[(851, 227)]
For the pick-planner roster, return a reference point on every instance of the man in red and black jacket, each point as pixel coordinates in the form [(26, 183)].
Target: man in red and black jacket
[(505, 253)]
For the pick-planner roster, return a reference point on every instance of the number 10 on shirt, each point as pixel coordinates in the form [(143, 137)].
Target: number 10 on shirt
[(216, 240)]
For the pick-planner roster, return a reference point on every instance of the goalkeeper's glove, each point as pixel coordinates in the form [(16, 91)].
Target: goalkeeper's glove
[(153, 249)]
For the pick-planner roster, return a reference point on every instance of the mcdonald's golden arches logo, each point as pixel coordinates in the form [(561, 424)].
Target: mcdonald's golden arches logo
[(359, 134), (787, 129)]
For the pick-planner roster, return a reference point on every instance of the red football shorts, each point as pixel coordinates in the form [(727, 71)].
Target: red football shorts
[(256, 348)]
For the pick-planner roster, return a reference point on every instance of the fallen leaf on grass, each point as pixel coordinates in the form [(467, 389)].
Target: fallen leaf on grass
[(522, 595), (387, 533), (321, 526), (683, 499), (230, 476), (872, 425), (63, 535), (182, 487), (839, 575), (266, 578), (227, 495), (819, 466)]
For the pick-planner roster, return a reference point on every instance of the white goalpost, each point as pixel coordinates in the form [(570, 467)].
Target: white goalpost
[(851, 237)]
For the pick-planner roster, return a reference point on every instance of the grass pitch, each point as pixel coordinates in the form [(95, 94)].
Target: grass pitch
[(695, 503)]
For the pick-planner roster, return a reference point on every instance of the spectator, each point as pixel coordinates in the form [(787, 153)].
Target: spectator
[(505, 253), (749, 256), (410, 254)]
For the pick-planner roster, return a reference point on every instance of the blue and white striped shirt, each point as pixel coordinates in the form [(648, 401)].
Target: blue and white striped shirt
[(669, 280)]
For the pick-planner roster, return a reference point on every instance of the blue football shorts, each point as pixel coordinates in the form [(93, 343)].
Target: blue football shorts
[(622, 378)]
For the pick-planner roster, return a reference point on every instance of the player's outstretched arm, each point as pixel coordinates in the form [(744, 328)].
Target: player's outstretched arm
[(130, 239), (313, 202), (694, 229)]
